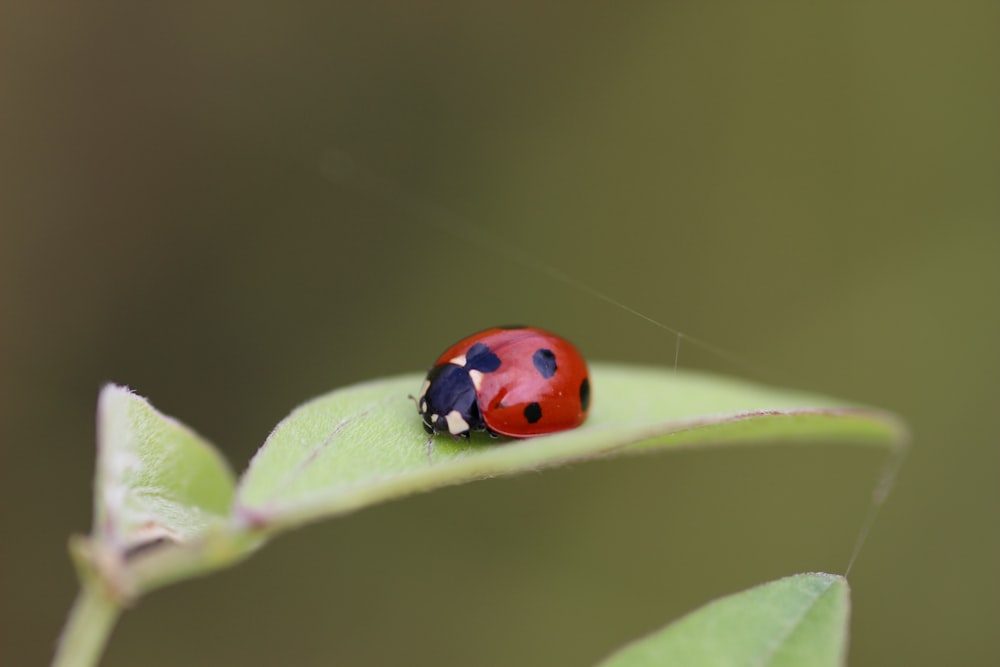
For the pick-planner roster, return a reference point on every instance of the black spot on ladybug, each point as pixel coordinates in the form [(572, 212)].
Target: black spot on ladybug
[(479, 358), (533, 412), (545, 362), (585, 394)]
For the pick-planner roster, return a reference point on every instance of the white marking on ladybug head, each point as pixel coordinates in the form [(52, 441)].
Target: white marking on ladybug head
[(423, 406), (456, 424), (424, 388), (477, 378), (460, 360)]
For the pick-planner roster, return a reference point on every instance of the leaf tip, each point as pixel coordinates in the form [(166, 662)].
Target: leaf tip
[(111, 390)]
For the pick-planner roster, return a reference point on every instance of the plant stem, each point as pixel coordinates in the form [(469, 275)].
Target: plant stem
[(88, 627)]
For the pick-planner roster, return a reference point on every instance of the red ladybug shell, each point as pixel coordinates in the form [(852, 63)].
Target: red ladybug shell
[(542, 385)]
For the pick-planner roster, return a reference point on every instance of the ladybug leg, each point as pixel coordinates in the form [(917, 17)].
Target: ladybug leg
[(430, 448)]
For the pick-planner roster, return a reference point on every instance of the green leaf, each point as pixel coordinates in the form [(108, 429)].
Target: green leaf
[(799, 621), (364, 444), (156, 479), (162, 500)]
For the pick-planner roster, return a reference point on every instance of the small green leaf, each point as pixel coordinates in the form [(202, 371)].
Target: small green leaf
[(799, 621), (364, 444), (156, 479)]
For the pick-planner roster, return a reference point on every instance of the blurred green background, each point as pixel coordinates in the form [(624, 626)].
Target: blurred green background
[(232, 207)]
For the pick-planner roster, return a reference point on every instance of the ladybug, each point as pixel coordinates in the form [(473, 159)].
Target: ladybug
[(514, 381)]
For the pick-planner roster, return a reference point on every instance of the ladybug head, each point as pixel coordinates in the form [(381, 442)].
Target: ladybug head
[(447, 402)]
